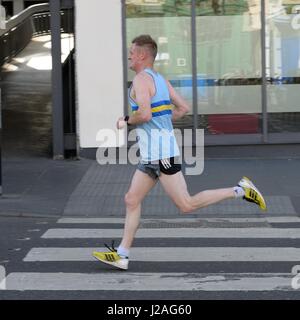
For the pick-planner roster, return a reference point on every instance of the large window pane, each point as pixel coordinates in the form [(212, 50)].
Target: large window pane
[(229, 66), (169, 23), (283, 63)]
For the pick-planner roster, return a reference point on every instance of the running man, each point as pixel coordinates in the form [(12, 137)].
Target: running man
[(151, 97)]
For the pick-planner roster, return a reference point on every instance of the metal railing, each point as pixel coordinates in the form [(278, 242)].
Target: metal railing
[(32, 22)]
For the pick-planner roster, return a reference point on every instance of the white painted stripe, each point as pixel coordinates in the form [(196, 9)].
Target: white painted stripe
[(118, 281), (287, 219), (171, 254), (91, 220), (62, 233)]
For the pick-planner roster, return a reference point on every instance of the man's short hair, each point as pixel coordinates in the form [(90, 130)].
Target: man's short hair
[(146, 41)]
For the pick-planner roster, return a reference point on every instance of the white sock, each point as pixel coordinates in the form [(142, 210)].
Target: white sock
[(123, 252), (238, 191)]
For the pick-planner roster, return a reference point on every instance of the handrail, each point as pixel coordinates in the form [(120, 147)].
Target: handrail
[(27, 13), (32, 22)]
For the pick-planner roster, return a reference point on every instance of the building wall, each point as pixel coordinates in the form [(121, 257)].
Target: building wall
[(100, 82)]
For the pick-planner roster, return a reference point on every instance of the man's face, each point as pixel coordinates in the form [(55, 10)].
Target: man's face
[(134, 57)]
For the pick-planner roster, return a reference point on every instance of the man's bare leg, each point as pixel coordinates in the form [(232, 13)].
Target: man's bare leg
[(175, 186), (141, 184)]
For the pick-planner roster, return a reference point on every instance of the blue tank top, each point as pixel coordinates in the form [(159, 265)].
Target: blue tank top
[(156, 137)]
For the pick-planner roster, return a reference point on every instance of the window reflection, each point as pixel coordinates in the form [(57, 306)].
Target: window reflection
[(283, 65), (229, 75)]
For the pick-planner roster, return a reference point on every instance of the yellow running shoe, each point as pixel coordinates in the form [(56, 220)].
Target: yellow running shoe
[(252, 194), (112, 258)]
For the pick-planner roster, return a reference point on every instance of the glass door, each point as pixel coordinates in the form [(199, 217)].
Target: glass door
[(229, 66), (283, 65)]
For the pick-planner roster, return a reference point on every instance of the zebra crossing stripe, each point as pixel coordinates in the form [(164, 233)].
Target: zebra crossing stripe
[(93, 220), (118, 281), (65, 233), (112, 220), (171, 254)]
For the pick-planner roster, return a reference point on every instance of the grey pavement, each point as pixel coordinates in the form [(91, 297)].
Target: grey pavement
[(40, 186), (36, 185)]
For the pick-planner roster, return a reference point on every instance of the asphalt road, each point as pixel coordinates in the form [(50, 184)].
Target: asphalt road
[(19, 236)]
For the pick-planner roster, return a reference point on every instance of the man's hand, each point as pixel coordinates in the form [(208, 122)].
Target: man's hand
[(121, 123)]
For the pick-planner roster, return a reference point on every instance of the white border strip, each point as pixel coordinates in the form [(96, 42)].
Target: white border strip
[(180, 220), (171, 254), (149, 282), (63, 233)]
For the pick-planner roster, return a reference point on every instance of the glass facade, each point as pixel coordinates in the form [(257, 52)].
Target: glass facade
[(246, 85)]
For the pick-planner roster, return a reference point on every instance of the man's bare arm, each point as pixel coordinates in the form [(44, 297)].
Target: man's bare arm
[(181, 106), (141, 86)]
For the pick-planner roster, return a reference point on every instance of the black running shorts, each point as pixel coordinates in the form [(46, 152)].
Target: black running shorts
[(167, 166)]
